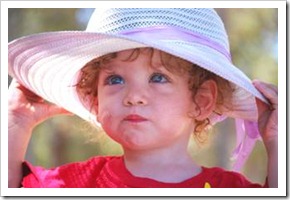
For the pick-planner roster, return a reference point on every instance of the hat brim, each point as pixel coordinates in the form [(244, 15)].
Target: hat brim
[(49, 65)]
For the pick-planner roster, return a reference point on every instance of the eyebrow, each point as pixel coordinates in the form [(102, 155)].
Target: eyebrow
[(108, 70)]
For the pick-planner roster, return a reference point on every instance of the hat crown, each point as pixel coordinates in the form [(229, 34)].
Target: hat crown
[(198, 21)]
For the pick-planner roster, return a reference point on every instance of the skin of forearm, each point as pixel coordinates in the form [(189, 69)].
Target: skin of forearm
[(272, 151), (18, 139)]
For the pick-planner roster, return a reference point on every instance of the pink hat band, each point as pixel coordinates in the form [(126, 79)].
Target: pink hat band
[(174, 33)]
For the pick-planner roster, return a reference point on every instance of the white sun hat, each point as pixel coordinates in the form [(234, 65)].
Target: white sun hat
[(49, 63)]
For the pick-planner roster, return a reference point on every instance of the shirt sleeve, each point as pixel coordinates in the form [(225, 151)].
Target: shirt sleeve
[(73, 175), (237, 180), (39, 177), (220, 178)]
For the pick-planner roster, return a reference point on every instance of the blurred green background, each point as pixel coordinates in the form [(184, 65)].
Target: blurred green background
[(253, 39)]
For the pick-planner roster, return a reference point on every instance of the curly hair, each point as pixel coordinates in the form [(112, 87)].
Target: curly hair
[(88, 80)]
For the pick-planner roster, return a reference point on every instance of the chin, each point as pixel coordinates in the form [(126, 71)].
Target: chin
[(134, 140), (136, 145)]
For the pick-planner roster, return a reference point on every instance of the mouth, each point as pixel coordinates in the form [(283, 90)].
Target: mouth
[(135, 118)]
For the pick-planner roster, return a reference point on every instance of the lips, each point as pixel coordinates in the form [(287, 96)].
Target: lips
[(135, 118)]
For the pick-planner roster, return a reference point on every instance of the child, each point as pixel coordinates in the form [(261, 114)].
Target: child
[(150, 78)]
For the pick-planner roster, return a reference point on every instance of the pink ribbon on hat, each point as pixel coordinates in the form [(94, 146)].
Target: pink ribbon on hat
[(247, 135), (175, 33)]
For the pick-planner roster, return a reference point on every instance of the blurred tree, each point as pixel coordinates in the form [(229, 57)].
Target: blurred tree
[(253, 38), (25, 21)]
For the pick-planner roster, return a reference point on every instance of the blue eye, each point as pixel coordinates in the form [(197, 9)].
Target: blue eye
[(158, 78), (114, 80)]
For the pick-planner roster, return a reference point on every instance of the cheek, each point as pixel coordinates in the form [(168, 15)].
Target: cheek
[(105, 119), (104, 109), (108, 113), (104, 116), (177, 104)]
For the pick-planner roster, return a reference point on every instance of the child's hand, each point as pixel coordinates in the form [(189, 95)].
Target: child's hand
[(268, 114), (27, 109), (268, 126)]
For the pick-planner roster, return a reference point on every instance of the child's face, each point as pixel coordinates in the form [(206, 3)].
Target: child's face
[(141, 105)]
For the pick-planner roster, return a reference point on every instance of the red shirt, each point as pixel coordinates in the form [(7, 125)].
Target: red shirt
[(110, 172)]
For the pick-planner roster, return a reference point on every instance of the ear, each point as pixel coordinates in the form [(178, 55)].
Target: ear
[(205, 99)]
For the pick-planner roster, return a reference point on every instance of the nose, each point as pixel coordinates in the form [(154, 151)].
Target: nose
[(135, 96)]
